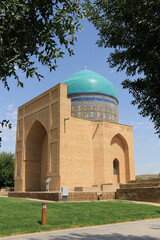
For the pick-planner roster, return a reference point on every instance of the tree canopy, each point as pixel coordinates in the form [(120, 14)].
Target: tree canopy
[(34, 28), (5, 123), (6, 169), (132, 29)]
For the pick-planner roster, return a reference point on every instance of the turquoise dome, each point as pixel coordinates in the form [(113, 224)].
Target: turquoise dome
[(87, 81)]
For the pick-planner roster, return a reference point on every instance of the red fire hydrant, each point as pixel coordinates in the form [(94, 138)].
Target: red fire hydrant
[(44, 213)]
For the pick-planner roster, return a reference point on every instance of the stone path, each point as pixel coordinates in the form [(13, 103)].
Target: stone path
[(138, 230)]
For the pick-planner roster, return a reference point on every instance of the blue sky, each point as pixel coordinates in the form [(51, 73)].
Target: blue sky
[(146, 143)]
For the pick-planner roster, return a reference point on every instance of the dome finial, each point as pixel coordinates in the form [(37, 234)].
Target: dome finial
[(85, 67)]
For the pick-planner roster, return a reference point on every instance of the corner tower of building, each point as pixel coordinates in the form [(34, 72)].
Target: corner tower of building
[(93, 97)]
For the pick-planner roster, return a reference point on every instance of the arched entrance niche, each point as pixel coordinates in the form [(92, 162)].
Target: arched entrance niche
[(116, 170), (36, 158), (119, 148)]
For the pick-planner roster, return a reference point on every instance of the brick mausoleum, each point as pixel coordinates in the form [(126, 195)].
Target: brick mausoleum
[(71, 135)]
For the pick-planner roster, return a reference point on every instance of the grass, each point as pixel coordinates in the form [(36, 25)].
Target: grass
[(23, 216)]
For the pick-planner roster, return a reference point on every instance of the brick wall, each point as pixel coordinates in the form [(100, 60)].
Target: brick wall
[(140, 194), (73, 196)]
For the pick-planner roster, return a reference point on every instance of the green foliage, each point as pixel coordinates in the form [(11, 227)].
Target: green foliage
[(36, 28), (6, 169), (23, 216), (5, 123), (132, 29)]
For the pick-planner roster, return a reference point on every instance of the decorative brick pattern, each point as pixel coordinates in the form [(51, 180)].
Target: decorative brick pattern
[(94, 107), (20, 128), (54, 156), (35, 104), (21, 112), (55, 94)]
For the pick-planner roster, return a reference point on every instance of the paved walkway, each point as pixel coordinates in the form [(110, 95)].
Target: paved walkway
[(139, 230)]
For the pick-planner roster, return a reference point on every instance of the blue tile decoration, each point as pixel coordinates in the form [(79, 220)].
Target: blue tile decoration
[(92, 96), (93, 99), (101, 108)]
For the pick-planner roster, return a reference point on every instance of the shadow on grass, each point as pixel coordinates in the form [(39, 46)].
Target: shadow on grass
[(39, 222), (113, 236)]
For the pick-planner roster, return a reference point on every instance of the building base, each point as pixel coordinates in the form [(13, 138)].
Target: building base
[(72, 196), (140, 190)]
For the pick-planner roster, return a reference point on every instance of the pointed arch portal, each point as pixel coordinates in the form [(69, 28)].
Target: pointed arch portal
[(120, 158), (36, 158)]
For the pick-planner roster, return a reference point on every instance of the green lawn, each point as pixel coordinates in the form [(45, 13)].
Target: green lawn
[(23, 216)]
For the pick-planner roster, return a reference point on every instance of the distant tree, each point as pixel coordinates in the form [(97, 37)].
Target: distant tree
[(5, 123), (6, 169), (34, 28), (132, 29)]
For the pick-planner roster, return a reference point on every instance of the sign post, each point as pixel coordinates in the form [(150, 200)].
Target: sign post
[(47, 184), (64, 191)]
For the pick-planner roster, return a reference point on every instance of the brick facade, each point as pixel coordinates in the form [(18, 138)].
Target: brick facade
[(72, 152)]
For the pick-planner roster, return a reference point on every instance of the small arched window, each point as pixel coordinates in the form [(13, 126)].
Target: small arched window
[(115, 167)]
